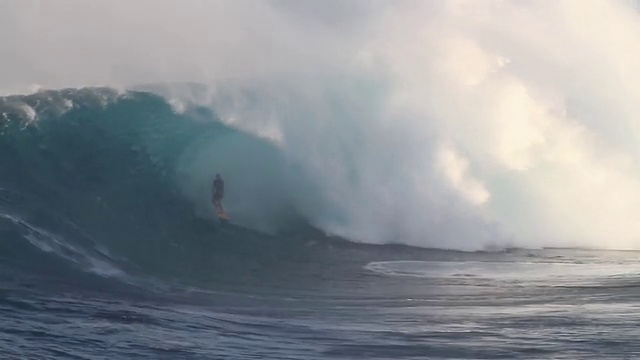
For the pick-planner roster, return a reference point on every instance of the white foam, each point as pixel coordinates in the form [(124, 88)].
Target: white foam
[(555, 272), (29, 114)]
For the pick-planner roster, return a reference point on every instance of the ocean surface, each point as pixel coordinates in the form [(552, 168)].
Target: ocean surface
[(109, 250)]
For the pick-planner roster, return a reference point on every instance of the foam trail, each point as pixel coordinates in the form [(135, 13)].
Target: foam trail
[(52, 243), (453, 124)]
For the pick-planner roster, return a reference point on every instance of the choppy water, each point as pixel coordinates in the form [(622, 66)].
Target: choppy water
[(355, 302)]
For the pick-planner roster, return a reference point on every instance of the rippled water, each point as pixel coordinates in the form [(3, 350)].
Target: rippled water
[(355, 302)]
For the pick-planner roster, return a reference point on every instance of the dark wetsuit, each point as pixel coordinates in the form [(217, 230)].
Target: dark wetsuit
[(218, 189)]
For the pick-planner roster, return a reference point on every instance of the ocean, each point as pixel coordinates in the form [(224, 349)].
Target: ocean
[(109, 250)]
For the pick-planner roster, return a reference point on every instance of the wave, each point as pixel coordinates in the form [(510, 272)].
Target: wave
[(118, 182), (87, 173), (476, 142)]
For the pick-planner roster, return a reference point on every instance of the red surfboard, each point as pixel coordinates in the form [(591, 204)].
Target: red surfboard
[(221, 214)]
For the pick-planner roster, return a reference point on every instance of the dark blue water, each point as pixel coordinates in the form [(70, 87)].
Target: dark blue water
[(103, 256)]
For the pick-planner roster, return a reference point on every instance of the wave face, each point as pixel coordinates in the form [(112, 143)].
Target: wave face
[(99, 179)]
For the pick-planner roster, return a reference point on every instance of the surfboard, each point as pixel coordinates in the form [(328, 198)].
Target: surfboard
[(223, 216)]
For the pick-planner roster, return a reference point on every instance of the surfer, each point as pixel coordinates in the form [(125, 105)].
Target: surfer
[(218, 191)]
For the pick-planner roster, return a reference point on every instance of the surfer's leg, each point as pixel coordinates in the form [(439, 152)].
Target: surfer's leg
[(217, 203)]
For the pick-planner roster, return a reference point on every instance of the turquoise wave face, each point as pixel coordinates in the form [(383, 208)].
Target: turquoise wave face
[(124, 181)]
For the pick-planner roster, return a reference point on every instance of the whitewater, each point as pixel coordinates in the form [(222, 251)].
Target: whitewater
[(405, 180)]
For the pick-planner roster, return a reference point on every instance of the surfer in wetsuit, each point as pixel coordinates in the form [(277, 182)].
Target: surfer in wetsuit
[(218, 191)]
